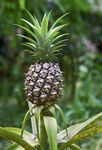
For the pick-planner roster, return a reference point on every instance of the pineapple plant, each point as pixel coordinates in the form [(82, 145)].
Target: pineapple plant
[(44, 80), (43, 87)]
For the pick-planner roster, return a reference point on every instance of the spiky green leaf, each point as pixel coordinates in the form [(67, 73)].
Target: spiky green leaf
[(28, 31), (58, 20), (29, 39), (45, 40), (28, 23), (34, 20)]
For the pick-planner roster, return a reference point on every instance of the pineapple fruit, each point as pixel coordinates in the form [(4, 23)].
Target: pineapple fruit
[(44, 80)]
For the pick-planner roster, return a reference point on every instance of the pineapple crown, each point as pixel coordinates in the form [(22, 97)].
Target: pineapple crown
[(44, 42)]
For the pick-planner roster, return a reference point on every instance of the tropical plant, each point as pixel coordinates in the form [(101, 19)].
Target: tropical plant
[(43, 88)]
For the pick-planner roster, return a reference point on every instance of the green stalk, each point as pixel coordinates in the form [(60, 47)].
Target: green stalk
[(33, 122), (42, 135), (75, 147), (38, 128)]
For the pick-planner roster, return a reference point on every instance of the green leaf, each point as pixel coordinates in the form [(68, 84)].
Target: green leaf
[(41, 133), (81, 131), (26, 117), (58, 20), (74, 147), (33, 46), (36, 23), (49, 40), (36, 31), (29, 39), (63, 118), (27, 30), (43, 139), (28, 23), (37, 113), (30, 45), (53, 32), (57, 45), (60, 36), (60, 41), (44, 24), (44, 38), (14, 146), (13, 134), (56, 48), (51, 129), (34, 20), (52, 110)]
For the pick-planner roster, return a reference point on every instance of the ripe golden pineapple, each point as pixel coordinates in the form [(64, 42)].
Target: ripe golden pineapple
[(43, 83)]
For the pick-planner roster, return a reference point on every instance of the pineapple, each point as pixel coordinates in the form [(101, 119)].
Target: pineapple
[(44, 80)]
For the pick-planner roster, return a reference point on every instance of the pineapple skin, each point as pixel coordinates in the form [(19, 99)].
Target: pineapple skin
[(43, 83)]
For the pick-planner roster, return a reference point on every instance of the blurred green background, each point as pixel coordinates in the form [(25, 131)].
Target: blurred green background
[(81, 61)]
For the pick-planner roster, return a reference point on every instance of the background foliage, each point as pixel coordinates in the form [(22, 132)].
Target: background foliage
[(81, 60)]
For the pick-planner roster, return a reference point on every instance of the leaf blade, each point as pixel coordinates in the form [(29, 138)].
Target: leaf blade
[(77, 130), (51, 129), (12, 135)]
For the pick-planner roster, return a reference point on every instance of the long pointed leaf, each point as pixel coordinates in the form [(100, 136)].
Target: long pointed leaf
[(28, 23), (52, 110), (30, 45), (14, 146), (12, 135), (26, 117), (55, 48), (81, 131), (37, 113), (43, 139), (58, 20), (56, 29), (51, 129), (36, 31), (63, 118), (27, 30), (44, 24), (28, 38), (60, 36), (58, 43), (34, 20), (75, 147)]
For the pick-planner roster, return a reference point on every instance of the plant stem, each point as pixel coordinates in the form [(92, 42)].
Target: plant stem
[(33, 123)]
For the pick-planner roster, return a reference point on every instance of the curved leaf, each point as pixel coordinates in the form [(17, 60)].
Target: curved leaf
[(34, 20), (28, 23), (58, 20), (14, 146), (80, 131), (28, 38), (75, 147), (26, 117), (63, 118), (52, 110), (13, 134)]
